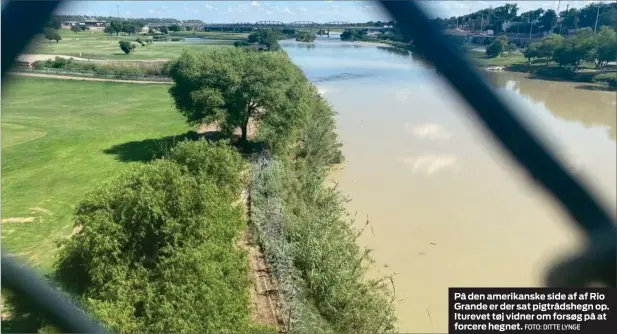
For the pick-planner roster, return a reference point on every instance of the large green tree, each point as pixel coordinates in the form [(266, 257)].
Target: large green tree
[(606, 46), (267, 37), (548, 45), (156, 249), (580, 47), (232, 86), (497, 47)]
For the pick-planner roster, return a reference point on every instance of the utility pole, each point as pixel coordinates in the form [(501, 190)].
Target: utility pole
[(530, 26), (597, 15), (118, 10), (482, 23)]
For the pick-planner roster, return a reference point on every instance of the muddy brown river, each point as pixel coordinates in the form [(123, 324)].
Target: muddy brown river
[(446, 207)]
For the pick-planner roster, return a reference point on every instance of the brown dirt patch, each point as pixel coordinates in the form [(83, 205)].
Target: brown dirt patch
[(265, 305), (18, 220)]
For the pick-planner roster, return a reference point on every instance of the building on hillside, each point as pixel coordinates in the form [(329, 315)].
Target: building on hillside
[(145, 29), (94, 24), (68, 24)]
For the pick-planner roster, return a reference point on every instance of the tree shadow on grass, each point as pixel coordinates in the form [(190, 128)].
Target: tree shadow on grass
[(150, 149)]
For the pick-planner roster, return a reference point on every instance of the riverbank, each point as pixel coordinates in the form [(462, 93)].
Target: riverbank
[(516, 62), (539, 69)]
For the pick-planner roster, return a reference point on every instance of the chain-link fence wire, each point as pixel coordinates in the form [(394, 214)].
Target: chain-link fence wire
[(268, 218)]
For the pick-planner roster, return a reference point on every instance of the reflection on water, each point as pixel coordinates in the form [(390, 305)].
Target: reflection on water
[(446, 206)]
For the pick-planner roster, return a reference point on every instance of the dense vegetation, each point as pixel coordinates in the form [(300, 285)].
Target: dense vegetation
[(156, 249), (305, 36), (599, 48), (267, 37), (507, 17), (354, 35), (232, 87), (125, 27), (155, 246), (116, 69)]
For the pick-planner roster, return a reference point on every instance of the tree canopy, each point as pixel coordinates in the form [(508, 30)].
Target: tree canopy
[(155, 252), (266, 37), (52, 34), (230, 87), (498, 46)]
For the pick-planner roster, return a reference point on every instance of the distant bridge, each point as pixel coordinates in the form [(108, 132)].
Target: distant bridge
[(282, 25)]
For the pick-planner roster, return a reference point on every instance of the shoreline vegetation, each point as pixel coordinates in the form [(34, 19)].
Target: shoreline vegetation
[(153, 247)]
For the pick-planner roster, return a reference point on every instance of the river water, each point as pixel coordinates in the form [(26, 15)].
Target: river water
[(446, 207)]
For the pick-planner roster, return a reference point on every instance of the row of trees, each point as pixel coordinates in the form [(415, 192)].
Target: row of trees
[(599, 48), (79, 28), (541, 19), (305, 36), (126, 27), (354, 34)]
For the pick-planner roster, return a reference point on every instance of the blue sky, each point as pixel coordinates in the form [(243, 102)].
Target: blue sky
[(285, 11)]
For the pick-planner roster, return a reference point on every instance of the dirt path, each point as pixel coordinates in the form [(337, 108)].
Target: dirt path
[(265, 305), (35, 57), (67, 77)]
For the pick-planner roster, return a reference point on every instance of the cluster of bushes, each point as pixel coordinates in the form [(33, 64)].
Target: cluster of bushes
[(585, 46), (305, 36), (125, 27), (308, 239), (156, 251), (354, 35), (301, 226), (117, 69), (52, 34)]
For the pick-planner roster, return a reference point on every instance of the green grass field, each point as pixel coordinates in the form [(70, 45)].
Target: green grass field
[(97, 45), (62, 138)]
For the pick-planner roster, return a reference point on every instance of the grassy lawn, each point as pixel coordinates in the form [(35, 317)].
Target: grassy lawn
[(481, 59), (97, 45), (63, 138)]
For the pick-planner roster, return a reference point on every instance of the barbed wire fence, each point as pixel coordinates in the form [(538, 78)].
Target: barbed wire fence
[(268, 218)]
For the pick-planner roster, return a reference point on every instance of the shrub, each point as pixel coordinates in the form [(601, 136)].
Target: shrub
[(607, 78), (497, 47), (125, 46), (176, 39), (216, 161), (156, 254), (301, 228)]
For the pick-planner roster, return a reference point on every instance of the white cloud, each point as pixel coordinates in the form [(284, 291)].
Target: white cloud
[(431, 164), (128, 12), (288, 11), (428, 131), (303, 9), (269, 12), (230, 10), (186, 9), (255, 4)]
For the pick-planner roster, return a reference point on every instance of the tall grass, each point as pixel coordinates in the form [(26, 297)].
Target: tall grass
[(313, 253), (106, 68)]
